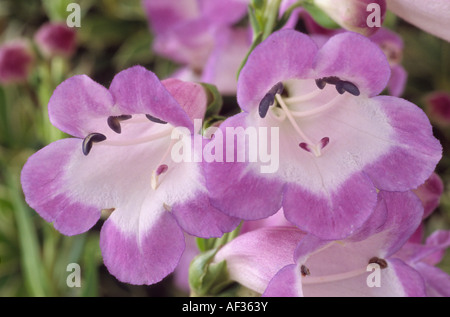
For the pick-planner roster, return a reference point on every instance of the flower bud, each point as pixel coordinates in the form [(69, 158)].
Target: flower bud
[(362, 16), (16, 60), (56, 39), (438, 108)]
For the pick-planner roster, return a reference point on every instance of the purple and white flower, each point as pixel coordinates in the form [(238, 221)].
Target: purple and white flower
[(120, 160), (339, 142)]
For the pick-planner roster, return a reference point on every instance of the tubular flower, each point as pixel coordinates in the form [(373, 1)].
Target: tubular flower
[(120, 160), (392, 45), (431, 16), (284, 261), (342, 268), (201, 37), (338, 141)]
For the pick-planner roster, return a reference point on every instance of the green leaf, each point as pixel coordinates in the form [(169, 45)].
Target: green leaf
[(214, 102), (207, 278)]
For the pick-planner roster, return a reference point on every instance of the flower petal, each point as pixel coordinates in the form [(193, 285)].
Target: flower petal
[(191, 97), (432, 17), (222, 66), (335, 214), (286, 283), (354, 58), (43, 181), (137, 255), (244, 194), (247, 255), (80, 106), (276, 59), (413, 142), (437, 281), (138, 91)]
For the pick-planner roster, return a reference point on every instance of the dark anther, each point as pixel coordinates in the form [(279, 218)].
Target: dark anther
[(114, 122), (269, 99), (305, 146), (320, 83), (381, 262), (90, 140), (332, 80), (154, 119), (346, 86), (304, 270), (324, 142), (341, 85)]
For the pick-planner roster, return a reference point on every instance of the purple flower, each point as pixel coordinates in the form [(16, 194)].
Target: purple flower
[(16, 59), (56, 39), (200, 36), (340, 268), (424, 258), (120, 160), (283, 261), (338, 141), (431, 16), (438, 107), (392, 45), (355, 15)]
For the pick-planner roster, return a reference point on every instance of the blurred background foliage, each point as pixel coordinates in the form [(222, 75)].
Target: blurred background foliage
[(114, 35)]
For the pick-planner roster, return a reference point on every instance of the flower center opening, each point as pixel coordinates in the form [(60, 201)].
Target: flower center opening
[(286, 107), (161, 130)]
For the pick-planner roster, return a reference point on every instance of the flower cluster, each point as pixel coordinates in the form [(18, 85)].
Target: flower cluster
[(339, 210)]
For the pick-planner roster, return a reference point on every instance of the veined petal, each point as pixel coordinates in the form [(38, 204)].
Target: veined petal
[(354, 58), (274, 60), (191, 97)]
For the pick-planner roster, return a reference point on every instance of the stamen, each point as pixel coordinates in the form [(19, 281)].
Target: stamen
[(135, 141), (269, 99), (346, 86), (333, 277), (167, 207), (381, 262), (304, 271), (314, 111), (324, 142), (154, 119), (320, 83), (341, 85), (161, 169), (292, 120), (305, 147), (114, 122), (90, 139), (303, 98)]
